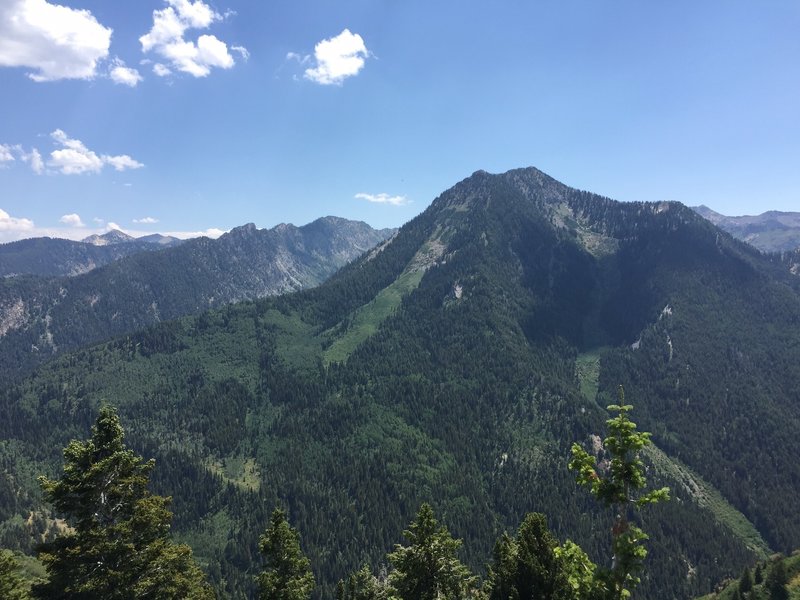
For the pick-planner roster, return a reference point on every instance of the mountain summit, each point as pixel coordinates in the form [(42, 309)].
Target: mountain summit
[(455, 363), (115, 236)]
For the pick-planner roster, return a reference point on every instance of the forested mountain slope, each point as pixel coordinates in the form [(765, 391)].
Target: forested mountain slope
[(40, 317), (456, 364), (52, 257)]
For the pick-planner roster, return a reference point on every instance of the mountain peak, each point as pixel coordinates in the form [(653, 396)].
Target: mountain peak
[(115, 236)]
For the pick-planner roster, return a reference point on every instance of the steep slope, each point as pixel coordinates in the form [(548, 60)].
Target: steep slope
[(40, 317), (51, 257), (449, 365), (772, 231)]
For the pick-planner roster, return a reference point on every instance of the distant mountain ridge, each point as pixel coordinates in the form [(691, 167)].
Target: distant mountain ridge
[(115, 236), (40, 317), (772, 231), (53, 257)]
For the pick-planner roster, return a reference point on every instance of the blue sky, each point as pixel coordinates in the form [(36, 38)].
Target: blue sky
[(189, 116)]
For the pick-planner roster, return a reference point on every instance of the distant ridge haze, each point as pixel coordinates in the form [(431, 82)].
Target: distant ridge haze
[(771, 231)]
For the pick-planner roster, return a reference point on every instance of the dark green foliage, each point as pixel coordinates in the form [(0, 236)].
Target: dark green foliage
[(362, 585), (12, 586), (528, 566), (745, 581), (117, 546), (287, 575), (428, 567), (775, 583)]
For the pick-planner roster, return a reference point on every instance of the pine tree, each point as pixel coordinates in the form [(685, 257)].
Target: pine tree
[(616, 487), (12, 587), (362, 585), (117, 546), (527, 566), (745, 582), (428, 568), (759, 575), (288, 573), (776, 581)]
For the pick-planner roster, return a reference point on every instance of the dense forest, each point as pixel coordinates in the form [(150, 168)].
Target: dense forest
[(456, 364), (114, 540)]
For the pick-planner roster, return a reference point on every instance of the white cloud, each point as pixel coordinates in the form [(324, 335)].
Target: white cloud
[(161, 70), (5, 154), (74, 158), (298, 57), (73, 220), (212, 232), (111, 225), (56, 42), (122, 162), (338, 58), (35, 159), (146, 221), (166, 38), (11, 225), (119, 73), (244, 52), (383, 199)]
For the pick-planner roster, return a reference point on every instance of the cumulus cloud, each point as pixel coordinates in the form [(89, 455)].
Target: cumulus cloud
[(337, 58), (121, 74), (74, 158), (383, 199), (54, 41), (9, 224), (146, 221), (72, 219), (167, 39)]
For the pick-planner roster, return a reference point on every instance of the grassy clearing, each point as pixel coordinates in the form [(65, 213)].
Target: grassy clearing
[(366, 319), (707, 496), (241, 472), (587, 368)]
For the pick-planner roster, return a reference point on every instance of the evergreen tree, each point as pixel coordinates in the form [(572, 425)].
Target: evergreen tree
[(616, 487), (118, 546), (362, 585), (428, 568), (759, 575), (12, 587), (745, 581), (288, 573), (528, 566), (776, 581)]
